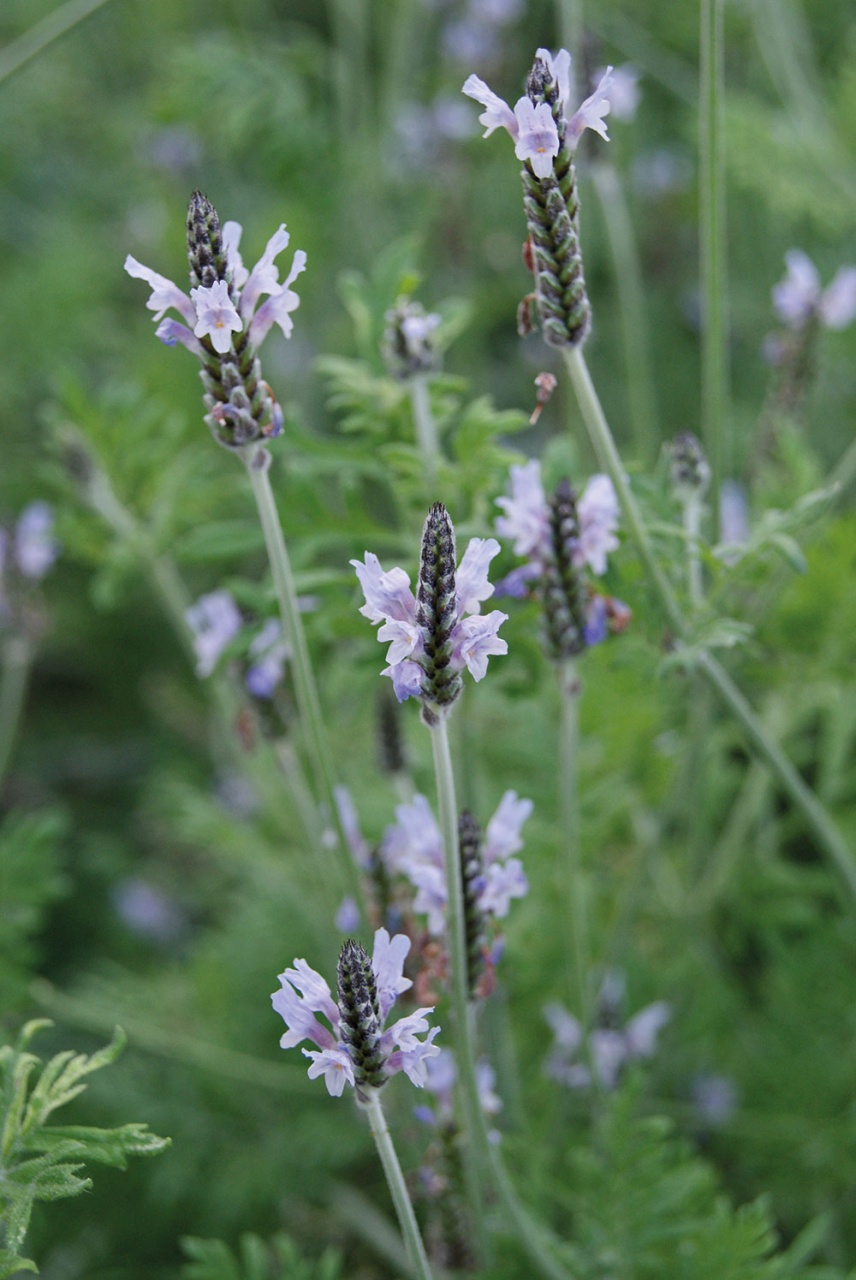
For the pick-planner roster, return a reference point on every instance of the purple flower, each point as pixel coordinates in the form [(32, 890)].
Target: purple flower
[(35, 549), (268, 653), (413, 846), (799, 298), (305, 997), (390, 601), (532, 125), (527, 518), (214, 620), (609, 1047)]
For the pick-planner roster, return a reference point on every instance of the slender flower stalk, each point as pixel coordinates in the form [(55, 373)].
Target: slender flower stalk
[(712, 239), (690, 479), (411, 354), (373, 1109), (17, 657), (824, 830), (424, 426)]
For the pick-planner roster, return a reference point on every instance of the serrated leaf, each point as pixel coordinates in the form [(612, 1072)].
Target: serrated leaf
[(11, 1264)]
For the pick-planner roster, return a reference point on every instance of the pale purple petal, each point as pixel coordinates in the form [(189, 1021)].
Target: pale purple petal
[(609, 1053), (403, 1033), (417, 330), (476, 641), (35, 549), (214, 620), (597, 620), (471, 577), (560, 70), (598, 516), (498, 113), (565, 1027), (406, 679), (415, 837), (335, 1066), (388, 595), (502, 836), (796, 297), (347, 919), (517, 585), (299, 1019), (442, 1074), (269, 652), (216, 317), (526, 518), (278, 308), (624, 93), (491, 1103), (592, 112), (431, 897), (388, 959), (314, 989), (538, 137), (164, 294), (643, 1030), (231, 239), (414, 1062), (405, 640), (349, 819), (837, 307), (503, 882), (264, 277), (172, 331)]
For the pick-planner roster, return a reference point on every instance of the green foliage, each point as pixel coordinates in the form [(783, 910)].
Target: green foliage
[(30, 880), (42, 1162), (279, 1259)]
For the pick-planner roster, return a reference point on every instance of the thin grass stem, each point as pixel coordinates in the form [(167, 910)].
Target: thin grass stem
[(39, 37), (424, 426), (574, 887), (17, 663)]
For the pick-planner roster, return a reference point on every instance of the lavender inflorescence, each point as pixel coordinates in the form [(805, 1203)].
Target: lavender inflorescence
[(360, 1014), (564, 593), (552, 216), (472, 876), (436, 612)]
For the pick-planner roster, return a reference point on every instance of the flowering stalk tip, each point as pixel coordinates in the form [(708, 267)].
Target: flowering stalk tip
[(223, 321)]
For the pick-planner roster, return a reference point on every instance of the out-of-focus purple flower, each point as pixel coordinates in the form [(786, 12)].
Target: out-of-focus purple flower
[(214, 620), (35, 548), (624, 92), (799, 298), (268, 654), (305, 996), (527, 518), (349, 819), (608, 1047), (147, 910), (472, 639), (714, 1099), (733, 514), (348, 916), (442, 1073), (413, 846)]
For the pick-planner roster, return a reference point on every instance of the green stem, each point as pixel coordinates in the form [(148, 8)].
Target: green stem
[(20, 51), (371, 1105), (257, 461), (483, 1152), (575, 904), (17, 661), (425, 426), (825, 832), (715, 426), (635, 324), (692, 512)]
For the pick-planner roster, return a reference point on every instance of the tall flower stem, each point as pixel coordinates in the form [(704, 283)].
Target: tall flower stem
[(370, 1104), (715, 427), (17, 661), (258, 466), (483, 1153), (692, 512), (569, 691), (424, 425), (826, 834)]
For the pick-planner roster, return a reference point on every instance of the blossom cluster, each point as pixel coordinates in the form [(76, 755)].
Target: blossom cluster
[(537, 136), (472, 636), (608, 1047), (413, 846), (214, 621), (799, 298), (305, 996), (31, 550), (228, 306)]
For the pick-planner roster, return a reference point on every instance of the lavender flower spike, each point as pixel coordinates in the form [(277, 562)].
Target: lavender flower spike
[(798, 300), (223, 321), (352, 1044), (439, 632)]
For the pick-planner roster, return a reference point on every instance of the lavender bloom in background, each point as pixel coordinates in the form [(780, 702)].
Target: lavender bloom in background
[(609, 1048), (624, 92), (367, 992), (35, 549), (215, 620), (527, 519), (413, 846), (147, 911), (799, 299), (268, 654), (714, 1099)]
